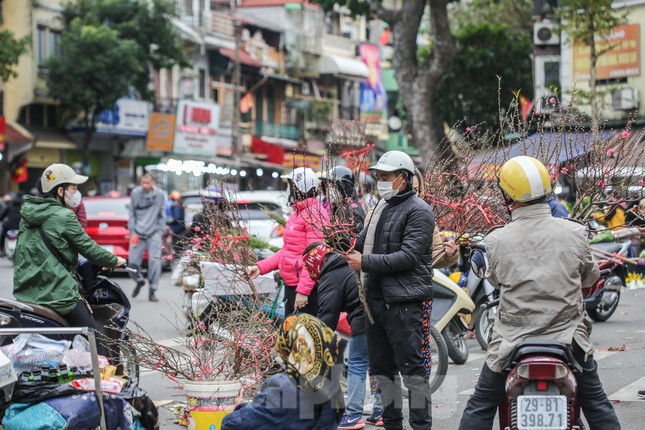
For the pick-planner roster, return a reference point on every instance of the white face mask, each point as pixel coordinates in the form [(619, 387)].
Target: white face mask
[(72, 200), (385, 189)]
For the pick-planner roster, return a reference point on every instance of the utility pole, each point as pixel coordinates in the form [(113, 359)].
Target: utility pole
[(235, 132)]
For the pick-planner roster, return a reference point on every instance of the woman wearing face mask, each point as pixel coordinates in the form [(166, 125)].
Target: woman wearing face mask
[(46, 254), (73, 201), (304, 226)]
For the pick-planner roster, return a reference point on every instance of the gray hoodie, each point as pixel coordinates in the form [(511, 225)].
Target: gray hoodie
[(147, 212)]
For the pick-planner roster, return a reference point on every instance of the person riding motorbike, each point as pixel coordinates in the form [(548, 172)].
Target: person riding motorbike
[(46, 254), (539, 263), (10, 218)]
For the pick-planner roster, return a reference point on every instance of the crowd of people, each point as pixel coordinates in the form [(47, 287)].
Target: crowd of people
[(395, 246)]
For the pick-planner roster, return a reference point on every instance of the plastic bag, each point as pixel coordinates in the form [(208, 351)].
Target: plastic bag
[(32, 351), (80, 357)]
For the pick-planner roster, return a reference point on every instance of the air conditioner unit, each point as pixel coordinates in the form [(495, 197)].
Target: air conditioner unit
[(546, 33), (625, 99), (305, 89)]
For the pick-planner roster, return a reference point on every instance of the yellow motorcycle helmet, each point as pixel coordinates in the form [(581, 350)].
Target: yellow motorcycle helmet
[(524, 179)]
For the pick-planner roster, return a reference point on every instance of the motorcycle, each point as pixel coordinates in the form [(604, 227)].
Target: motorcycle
[(601, 299), (10, 244), (110, 307), (481, 292), (450, 305)]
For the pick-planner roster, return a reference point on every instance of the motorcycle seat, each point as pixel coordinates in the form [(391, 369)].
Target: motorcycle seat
[(551, 348), (610, 247), (46, 312)]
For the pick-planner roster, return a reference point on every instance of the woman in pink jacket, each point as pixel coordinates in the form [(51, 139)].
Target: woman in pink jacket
[(303, 227)]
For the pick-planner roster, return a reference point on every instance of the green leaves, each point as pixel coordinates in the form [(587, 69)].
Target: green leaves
[(469, 91), (10, 51), (95, 69), (586, 17)]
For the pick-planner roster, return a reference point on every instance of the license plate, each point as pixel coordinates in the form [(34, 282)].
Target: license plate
[(541, 412), (108, 247)]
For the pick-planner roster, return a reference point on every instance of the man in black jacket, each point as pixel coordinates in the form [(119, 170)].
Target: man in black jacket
[(396, 257), (338, 292)]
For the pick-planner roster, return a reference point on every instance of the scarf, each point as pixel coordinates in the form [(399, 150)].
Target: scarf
[(314, 260), (309, 349)]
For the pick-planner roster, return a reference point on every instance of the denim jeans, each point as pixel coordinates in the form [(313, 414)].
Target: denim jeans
[(356, 374)]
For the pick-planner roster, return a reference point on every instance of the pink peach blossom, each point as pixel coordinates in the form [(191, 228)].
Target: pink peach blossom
[(625, 134)]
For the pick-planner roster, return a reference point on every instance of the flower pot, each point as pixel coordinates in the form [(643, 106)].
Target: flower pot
[(210, 401)]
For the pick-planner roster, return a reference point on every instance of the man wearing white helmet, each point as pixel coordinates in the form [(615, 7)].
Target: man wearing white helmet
[(303, 227), (396, 259), (50, 240)]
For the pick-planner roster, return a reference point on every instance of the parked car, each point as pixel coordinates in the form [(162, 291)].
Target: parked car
[(107, 225), (252, 216)]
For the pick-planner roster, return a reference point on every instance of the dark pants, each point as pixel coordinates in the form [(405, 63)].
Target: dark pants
[(290, 299), (394, 344), (81, 316), (489, 392)]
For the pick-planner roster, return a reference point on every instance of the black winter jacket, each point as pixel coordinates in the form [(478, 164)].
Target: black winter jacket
[(338, 292), (10, 216), (403, 262)]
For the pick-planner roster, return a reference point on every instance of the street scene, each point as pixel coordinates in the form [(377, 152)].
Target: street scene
[(419, 214)]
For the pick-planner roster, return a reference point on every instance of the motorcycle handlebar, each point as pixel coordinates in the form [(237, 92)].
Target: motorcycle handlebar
[(604, 272), (491, 304)]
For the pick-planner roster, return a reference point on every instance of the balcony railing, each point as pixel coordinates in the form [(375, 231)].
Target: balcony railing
[(340, 44), (284, 131)]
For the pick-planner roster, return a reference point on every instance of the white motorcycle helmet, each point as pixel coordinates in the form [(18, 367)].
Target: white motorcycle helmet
[(57, 174), (392, 161), (303, 179)]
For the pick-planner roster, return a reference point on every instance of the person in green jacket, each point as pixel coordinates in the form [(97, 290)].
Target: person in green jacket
[(39, 277)]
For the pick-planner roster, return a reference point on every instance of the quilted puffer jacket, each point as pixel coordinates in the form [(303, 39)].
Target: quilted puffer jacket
[(403, 263), (303, 228)]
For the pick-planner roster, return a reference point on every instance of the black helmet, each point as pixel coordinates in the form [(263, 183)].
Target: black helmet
[(344, 180)]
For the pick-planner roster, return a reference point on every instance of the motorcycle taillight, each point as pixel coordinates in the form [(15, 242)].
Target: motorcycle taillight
[(542, 371)]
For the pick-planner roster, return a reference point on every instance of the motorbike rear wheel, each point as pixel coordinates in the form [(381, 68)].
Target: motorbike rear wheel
[(484, 326), (456, 343), (439, 359), (600, 313)]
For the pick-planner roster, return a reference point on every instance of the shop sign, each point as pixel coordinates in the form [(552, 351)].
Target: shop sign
[(294, 159), (621, 59), (373, 94), (127, 117), (161, 133), (196, 129)]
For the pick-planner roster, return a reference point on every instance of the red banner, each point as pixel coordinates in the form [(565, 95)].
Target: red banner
[(3, 132)]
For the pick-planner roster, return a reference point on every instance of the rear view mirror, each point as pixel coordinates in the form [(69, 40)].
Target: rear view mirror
[(478, 263)]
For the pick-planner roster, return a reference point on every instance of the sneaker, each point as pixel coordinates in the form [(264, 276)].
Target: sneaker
[(351, 423), (152, 297), (641, 394), (138, 288), (375, 419)]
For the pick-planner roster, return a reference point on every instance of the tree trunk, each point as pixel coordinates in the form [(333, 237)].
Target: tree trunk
[(417, 82), (593, 94), (90, 124)]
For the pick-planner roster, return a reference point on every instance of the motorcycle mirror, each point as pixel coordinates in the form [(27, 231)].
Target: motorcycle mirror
[(478, 263)]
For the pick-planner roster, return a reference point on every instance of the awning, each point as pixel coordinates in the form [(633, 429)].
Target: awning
[(389, 81), (19, 140), (245, 57), (187, 32), (52, 139), (342, 67), (284, 78), (216, 41), (551, 147)]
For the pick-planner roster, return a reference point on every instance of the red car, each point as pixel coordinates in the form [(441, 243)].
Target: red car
[(107, 225)]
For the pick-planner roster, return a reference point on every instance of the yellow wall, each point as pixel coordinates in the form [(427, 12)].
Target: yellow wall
[(23, 19), (635, 15)]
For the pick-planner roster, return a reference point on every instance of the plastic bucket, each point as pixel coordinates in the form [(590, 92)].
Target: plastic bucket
[(208, 402)]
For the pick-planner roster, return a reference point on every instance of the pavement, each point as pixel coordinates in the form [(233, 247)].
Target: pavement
[(619, 343)]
